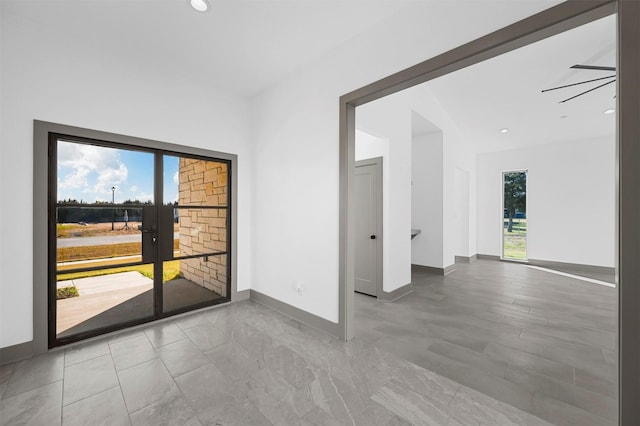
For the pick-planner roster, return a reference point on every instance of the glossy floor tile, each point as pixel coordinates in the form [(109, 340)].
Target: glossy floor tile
[(478, 347), (241, 364), (538, 341)]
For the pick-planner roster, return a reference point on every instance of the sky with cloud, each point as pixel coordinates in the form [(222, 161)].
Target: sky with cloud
[(88, 172)]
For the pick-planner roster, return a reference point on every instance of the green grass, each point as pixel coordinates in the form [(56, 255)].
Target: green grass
[(170, 272), (515, 242), (67, 292), (515, 246)]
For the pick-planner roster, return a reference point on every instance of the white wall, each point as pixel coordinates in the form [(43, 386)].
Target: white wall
[(49, 78), (370, 146), (427, 170), (295, 140), (289, 178), (391, 117), (461, 212), (570, 200), (430, 203), (457, 153)]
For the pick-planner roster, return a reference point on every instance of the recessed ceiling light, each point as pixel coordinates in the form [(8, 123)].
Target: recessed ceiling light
[(504, 130), (200, 5), (609, 111)]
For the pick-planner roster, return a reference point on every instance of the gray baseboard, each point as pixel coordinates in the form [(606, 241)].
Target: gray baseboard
[(16, 353), (488, 257), (466, 259), (438, 271), (396, 294), (242, 295), (578, 267), (449, 269), (313, 321)]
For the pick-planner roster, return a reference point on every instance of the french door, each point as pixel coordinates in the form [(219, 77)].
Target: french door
[(135, 234)]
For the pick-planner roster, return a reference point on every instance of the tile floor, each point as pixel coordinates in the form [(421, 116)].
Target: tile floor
[(493, 354), (237, 365), (540, 342)]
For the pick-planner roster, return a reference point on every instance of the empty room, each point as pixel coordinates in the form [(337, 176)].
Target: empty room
[(497, 288), (319, 212)]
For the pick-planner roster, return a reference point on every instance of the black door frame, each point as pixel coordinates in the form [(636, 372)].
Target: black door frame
[(159, 150)]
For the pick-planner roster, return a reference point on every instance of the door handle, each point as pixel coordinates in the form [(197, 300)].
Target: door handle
[(153, 229), (373, 237)]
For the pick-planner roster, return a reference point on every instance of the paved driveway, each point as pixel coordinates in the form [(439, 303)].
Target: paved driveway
[(103, 240)]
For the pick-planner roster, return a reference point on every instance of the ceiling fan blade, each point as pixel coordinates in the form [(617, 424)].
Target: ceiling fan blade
[(590, 90), (593, 67), (575, 84)]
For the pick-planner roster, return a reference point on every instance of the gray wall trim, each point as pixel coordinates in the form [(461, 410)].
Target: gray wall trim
[(396, 294), (40, 245), (16, 353), (41, 130), (297, 314), (466, 259), (242, 295), (432, 269), (429, 269), (488, 257), (449, 269), (346, 220), (377, 161), (628, 249), (572, 266)]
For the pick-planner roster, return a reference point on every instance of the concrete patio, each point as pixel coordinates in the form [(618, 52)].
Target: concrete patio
[(111, 299)]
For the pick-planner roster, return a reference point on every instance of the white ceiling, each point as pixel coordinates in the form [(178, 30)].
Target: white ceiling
[(505, 92), (246, 46), (243, 45)]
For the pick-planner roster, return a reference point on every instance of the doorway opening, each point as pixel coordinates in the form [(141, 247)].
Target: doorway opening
[(558, 19), (135, 234), (514, 216)]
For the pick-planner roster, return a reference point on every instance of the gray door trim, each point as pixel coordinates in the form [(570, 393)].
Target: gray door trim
[(628, 228), (377, 161), (560, 18), (41, 130)]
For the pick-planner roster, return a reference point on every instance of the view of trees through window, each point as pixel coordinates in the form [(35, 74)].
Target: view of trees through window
[(514, 240)]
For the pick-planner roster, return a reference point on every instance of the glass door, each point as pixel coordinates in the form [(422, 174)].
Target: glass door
[(514, 215), (194, 216), (135, 234)]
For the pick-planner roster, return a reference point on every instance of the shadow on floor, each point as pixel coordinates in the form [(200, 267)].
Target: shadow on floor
[(178, 294), (538, 341)]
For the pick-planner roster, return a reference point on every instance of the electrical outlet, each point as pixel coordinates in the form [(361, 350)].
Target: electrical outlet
[(299, 289)]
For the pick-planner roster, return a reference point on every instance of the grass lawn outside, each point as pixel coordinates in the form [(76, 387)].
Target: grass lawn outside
[(170, 272), (515, 243), (103, 253)]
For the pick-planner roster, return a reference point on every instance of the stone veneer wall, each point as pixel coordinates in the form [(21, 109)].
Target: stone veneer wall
[(203, 183)]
